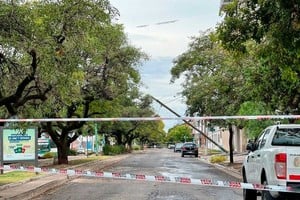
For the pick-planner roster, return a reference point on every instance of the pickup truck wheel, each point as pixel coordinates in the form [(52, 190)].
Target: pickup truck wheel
[(265, 194), (248, 194)]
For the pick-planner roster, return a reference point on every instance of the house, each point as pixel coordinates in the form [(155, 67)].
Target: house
[(219, 135)]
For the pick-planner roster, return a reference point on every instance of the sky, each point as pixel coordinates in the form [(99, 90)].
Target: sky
[(146, 25)]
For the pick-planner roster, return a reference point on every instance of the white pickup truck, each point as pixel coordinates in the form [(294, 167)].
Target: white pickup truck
[(274, 159)]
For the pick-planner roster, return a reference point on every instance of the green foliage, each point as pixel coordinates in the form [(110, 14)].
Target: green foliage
[(16, 176), (49, 155), (72, 152), (218, 158), (254, 127), (213, 77), (126, 132), (74, 59), (113, 150), (136, 148), (224, 70), (274, 29), (179, 133), (272, 21)]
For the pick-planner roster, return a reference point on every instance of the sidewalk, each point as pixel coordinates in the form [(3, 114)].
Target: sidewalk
[(234, 169), (34, 187)]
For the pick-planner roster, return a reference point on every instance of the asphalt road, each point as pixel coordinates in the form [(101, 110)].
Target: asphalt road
[(151, 162)]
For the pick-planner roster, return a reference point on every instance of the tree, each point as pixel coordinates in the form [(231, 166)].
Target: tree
[(82, 55), (215, 82), (126, 132), (20, 71), (273, 27), (105, 81), (254, 127), (252, 57), (179, 133), (212, 77)]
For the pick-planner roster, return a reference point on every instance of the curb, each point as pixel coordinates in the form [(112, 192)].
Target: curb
[(224, 169), (231, 172)]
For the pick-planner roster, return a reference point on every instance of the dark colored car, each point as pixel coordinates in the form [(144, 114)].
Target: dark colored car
[(189, 148)]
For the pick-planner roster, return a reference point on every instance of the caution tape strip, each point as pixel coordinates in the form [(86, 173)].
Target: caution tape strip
[(158, 178), (249, 117)]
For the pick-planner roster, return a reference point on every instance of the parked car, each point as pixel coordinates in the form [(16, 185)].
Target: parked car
[(189, 148), (80, 150), (177, 147), (171, 146), (274, 159)]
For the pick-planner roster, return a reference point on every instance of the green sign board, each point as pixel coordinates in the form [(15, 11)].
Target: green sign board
[(18, 144)]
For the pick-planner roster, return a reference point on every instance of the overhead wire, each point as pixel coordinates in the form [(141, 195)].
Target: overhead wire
[(158, 23)]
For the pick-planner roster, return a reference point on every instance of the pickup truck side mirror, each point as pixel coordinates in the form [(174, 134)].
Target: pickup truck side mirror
[(251, 146)]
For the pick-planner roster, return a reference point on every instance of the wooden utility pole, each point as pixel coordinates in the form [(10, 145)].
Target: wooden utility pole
[(191, 125)]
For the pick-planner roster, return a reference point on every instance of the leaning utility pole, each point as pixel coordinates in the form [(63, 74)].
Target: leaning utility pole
[(191, 125)]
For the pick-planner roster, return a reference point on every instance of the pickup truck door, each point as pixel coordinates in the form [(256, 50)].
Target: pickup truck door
[(258, 155), (250, 169), (255, 159)]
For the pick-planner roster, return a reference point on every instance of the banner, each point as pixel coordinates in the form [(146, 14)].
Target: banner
[(18, 144)]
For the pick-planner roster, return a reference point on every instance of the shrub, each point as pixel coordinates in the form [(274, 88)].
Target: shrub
[(113, 150), (49, 155), (136, 148), (218, 159), (72, 152)]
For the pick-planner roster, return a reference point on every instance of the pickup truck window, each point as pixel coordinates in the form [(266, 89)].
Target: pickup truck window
[(287, 137), (262, 139)]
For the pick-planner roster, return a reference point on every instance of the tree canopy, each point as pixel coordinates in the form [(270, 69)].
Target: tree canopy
[(273, 30), (179, 133), (67, 59), (251, 61)]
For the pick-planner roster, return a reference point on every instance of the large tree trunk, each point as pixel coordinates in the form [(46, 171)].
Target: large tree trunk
[(230, 142), (62, 153), (129, 145), (118, 138), (63, 146)]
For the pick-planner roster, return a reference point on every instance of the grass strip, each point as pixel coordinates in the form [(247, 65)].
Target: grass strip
[(16, 176)]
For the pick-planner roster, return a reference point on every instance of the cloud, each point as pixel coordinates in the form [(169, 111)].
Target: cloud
[(159, 44), (164, 42), (156, 77)]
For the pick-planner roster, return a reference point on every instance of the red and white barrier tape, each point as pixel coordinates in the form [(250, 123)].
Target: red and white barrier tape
[(249, 117), (167, 179)]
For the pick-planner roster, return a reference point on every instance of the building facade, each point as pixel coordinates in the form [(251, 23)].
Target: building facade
[(219, 135)]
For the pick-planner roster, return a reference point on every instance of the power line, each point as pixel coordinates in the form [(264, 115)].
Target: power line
[(158, 23)]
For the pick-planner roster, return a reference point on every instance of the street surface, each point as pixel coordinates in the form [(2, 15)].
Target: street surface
[(150, 162)]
